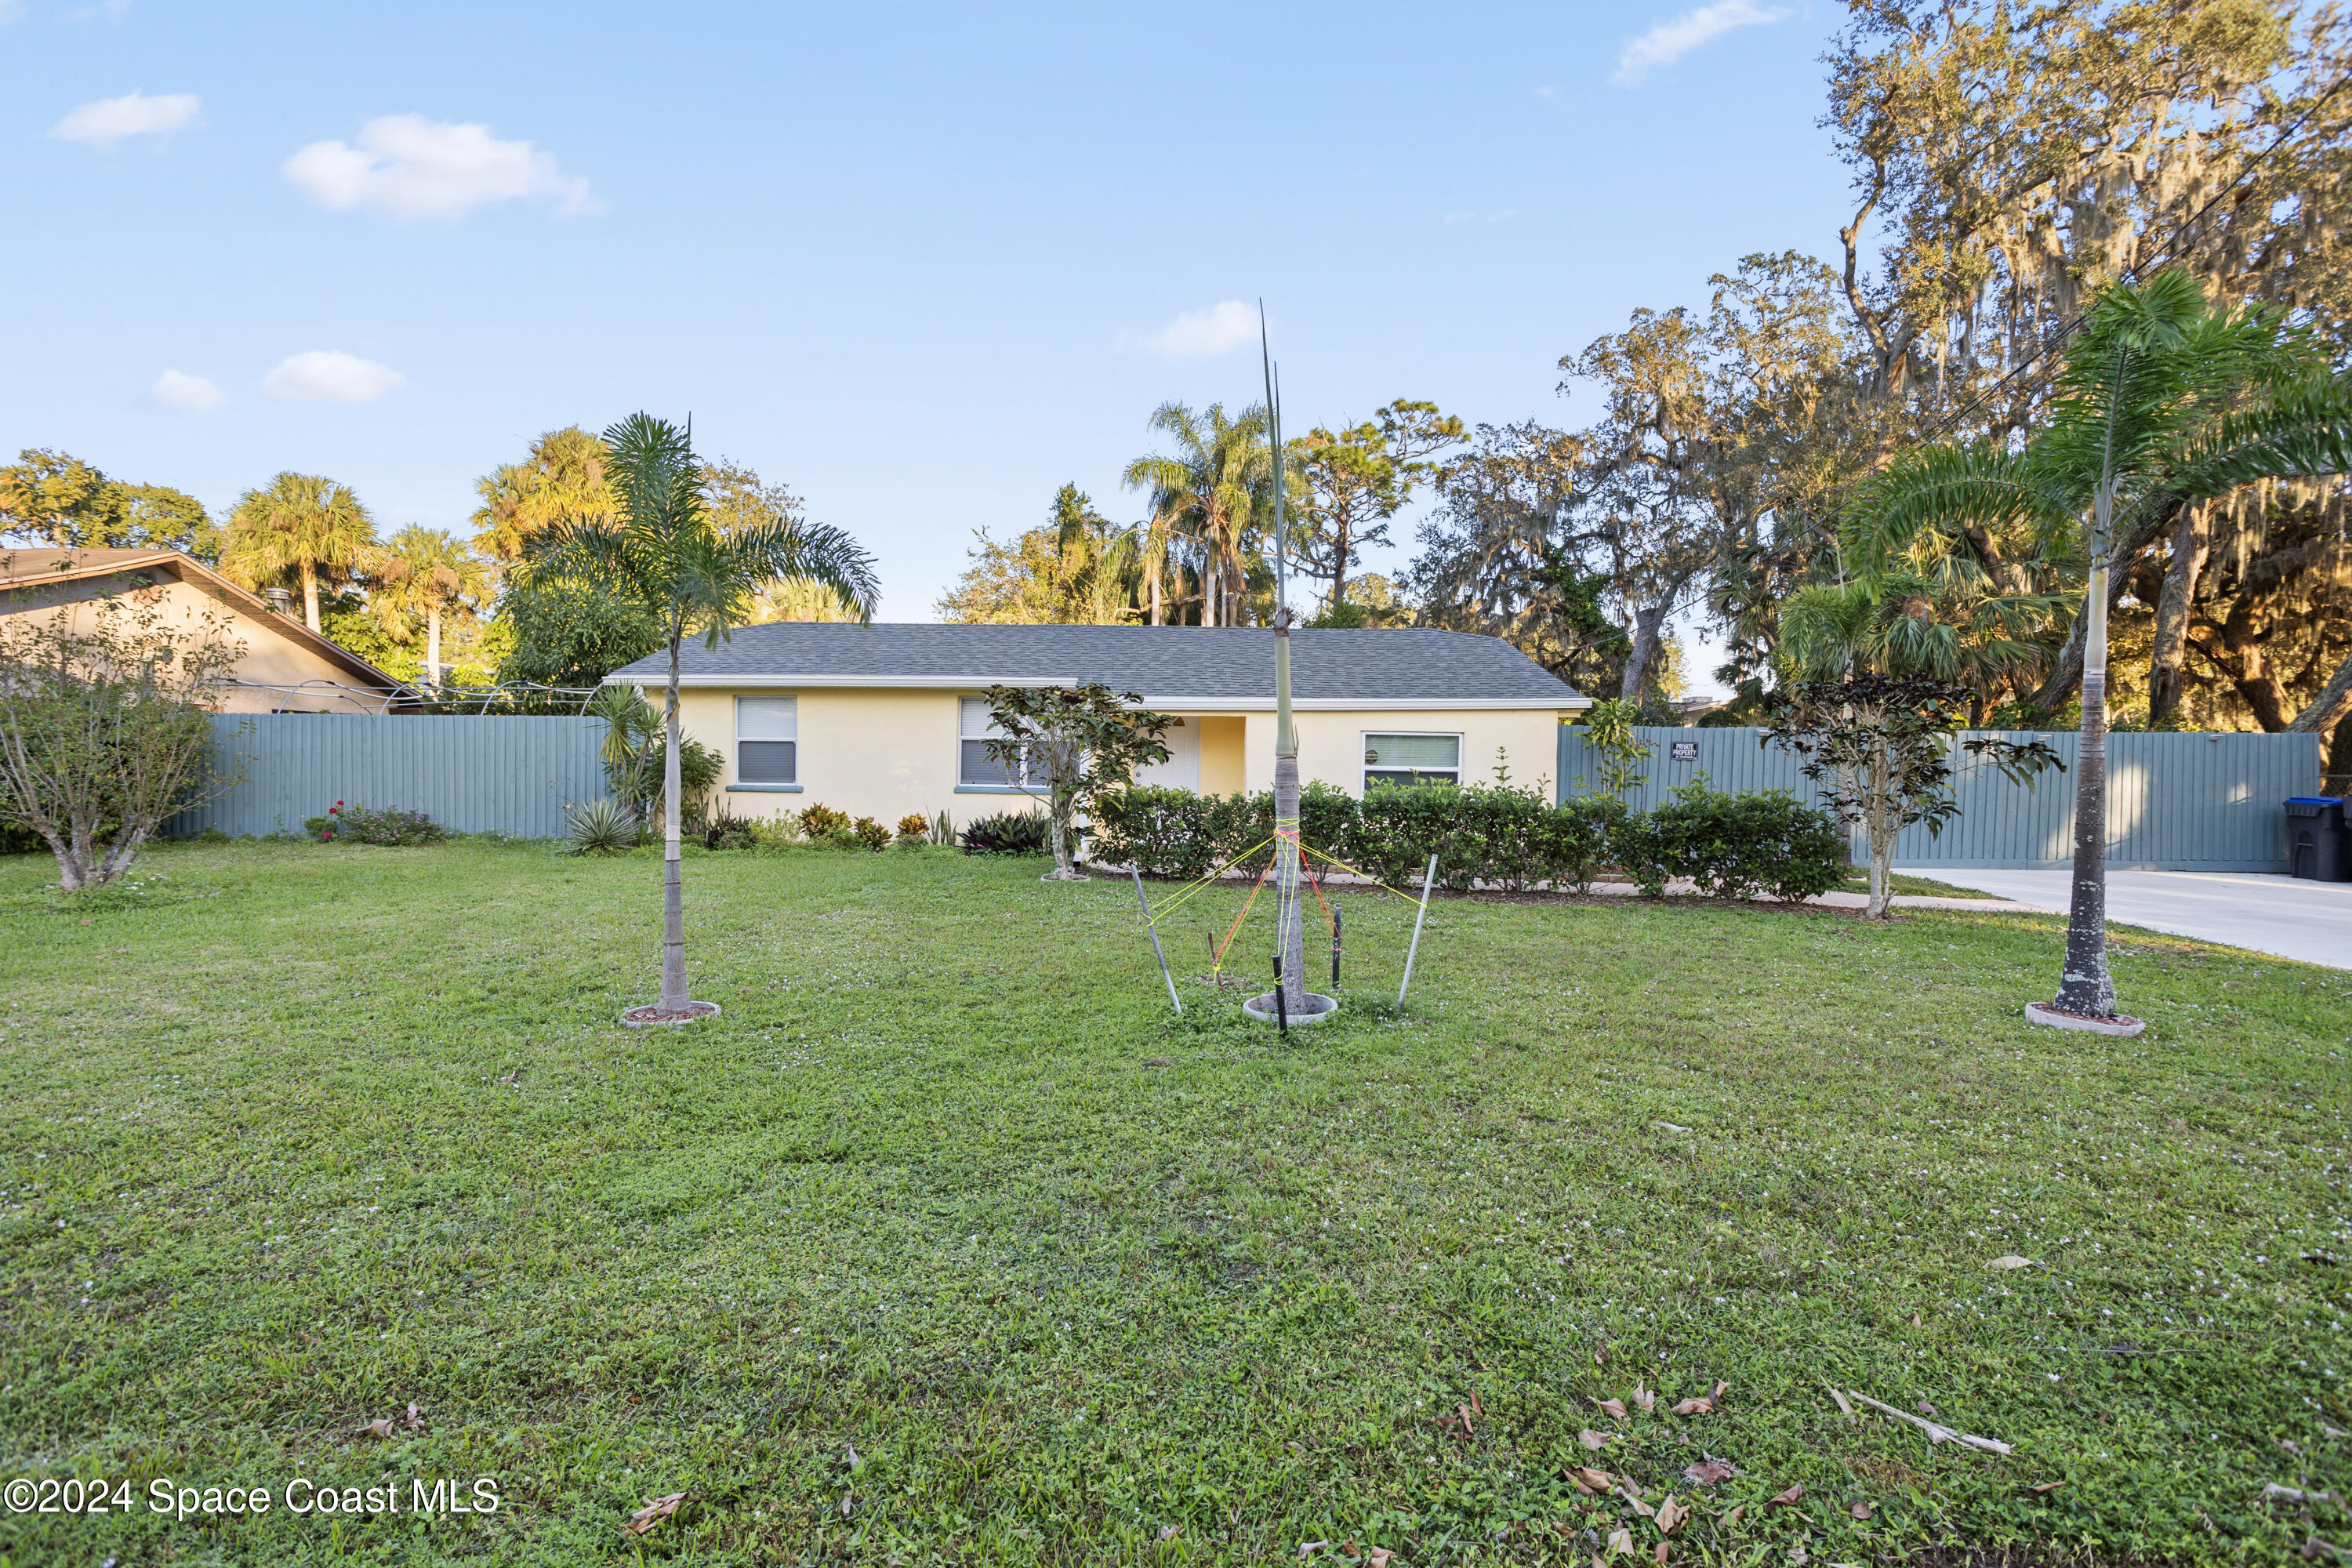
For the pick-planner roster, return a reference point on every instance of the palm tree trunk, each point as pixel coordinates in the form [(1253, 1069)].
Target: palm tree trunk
[(432, 642), (310, 596), (2086, 987), (673, 982), (2190, 542), (1155, 593)]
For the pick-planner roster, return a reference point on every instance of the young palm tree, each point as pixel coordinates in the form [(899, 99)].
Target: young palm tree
[(1212, 489), (423, 569), (301, 523), (659, 551), (2162, 401)]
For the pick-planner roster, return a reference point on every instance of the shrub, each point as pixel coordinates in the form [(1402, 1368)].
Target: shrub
[(325, 828), (1573, 840), (776, 832), (1160, 832), (821, 822), (870, 834), (388, 826), (728, 831), (1008, 833), (1176, 833), (1737, 846), (914, 828), (599, 827)]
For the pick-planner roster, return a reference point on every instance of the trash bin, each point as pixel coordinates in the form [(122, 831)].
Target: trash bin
[(2318, 845)]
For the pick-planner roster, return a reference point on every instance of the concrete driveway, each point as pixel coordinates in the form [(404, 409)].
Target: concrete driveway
[(2285, 916)]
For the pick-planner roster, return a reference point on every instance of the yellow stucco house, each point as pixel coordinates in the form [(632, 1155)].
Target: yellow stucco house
[(286, 667), (886, 721)]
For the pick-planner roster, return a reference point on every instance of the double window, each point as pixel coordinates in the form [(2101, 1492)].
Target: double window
[(978, 770), (767, 739), (1407, 759)]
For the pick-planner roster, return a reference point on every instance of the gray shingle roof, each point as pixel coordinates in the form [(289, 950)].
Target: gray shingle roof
[(1413, 666)]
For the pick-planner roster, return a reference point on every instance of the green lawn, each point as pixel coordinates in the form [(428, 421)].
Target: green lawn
[(947, 1242)]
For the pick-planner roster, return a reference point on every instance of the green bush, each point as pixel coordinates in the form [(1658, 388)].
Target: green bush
[(1573, 841), (729, 831), (1732, 846), (870, 834), (1009, 833), (1176, 833), (384, 824), (1738, 846)]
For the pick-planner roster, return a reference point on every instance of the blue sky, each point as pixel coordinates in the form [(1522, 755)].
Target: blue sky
[(923, 264)]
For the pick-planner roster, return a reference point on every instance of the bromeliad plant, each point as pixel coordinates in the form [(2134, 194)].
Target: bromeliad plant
[(659, 551)]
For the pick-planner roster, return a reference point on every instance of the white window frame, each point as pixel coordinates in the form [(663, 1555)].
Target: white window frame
[(1017, 777), (784, 785), (1365, 781)]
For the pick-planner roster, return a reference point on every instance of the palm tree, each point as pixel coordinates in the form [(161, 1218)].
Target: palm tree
[(303, 524), (659, 551), (2162, 401), (562, 478), (1212, 489), (426, 570)]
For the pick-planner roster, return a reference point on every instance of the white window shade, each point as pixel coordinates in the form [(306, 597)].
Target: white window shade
[(767, 739), (1411, 759), (976, 767)]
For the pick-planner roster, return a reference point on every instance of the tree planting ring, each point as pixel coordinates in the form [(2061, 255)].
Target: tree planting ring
[(2043, 1013), (1318, 1007), (651, 1016)]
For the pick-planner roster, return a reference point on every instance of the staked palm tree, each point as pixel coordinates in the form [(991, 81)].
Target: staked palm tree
[(2162, 401), (1212, 489), (659, 551), (428, 571), (301, 524)]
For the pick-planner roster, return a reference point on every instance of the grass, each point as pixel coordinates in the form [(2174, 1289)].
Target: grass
[(948, 1242), (1907, 886)]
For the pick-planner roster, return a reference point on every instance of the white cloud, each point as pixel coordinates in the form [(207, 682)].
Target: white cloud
[(1670, 41), (185, 394), (413, 168), (109, 120), (326, 375), (1196, 334)]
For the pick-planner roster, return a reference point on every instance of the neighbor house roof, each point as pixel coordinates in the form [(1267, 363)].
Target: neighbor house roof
[(30, 566), (1169, 666)]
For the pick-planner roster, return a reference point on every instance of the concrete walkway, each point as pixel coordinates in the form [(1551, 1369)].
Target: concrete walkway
[(2285, 916)]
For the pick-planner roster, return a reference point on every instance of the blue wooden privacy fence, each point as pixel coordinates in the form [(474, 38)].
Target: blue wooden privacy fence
[(510, 775), (2175, 803)]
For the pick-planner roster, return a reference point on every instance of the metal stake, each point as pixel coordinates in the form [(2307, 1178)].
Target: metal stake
[(1281, 1002), (1335, 946), (1154, 930), (1427, 878)]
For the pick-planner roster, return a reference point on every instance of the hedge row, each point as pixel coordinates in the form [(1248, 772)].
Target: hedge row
[(1731, 846)]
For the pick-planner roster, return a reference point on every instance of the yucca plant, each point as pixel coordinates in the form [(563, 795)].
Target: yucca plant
[(599, 827)]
